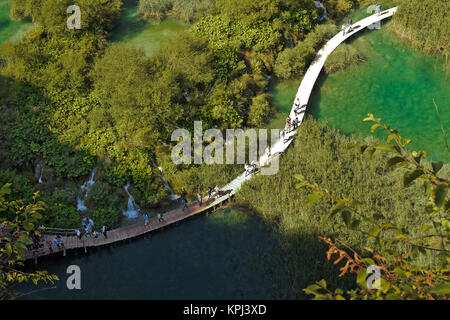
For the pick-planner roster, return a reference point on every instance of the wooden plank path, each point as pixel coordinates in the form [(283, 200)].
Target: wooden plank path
[(171, 217)]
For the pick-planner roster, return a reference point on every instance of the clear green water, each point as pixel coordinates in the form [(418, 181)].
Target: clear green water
[(220, 256), (9, 30), (397, 84), (283, 95), (148, 36)]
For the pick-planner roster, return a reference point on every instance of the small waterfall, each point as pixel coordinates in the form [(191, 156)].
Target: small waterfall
[(84, 190), (187, 96), (39, 171), (40, 176), (132, 208), (172, 196), (319, 4)]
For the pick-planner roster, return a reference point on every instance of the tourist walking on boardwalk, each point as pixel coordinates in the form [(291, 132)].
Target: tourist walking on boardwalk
[(160, 218), (343, 29), (199, 199), (78, 234), (145, 218), (104, 230), (216, 192), (350, 23), (87, 231), (59, 241), (247, 169), (95, 234), (209, 190), (50, 246), (184, 203), (378, 9)]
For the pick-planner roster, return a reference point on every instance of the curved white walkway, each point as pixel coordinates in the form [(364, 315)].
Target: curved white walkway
[(304, 92)]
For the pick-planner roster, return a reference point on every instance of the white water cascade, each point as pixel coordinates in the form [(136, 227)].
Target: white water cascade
[(319, 4), (39, 171), (84, 191), (132, 210), (172, 194)]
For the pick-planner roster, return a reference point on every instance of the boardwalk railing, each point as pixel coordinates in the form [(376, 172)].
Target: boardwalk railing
[(171, 217)]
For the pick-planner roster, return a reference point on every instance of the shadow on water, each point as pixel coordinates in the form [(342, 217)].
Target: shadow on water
[(231, 254), (228, 255)]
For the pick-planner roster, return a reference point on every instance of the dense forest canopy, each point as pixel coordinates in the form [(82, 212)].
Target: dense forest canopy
[(72, 100)]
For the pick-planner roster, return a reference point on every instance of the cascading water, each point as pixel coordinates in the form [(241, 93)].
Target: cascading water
[(84, 191), (132, 210), (39, 171), (319, 4), (172, 195), (291, 43)]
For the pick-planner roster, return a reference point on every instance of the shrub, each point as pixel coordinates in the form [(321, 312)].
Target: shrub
[(343, 57), (294, 62), (259, 110)]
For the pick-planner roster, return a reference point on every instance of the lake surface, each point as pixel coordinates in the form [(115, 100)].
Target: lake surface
[(227, 255), (396, 84), (150, 36)]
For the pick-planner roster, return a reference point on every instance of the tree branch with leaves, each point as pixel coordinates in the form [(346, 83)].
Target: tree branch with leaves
[(14, 236)]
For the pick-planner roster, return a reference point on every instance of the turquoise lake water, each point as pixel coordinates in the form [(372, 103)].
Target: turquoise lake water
[(397, 84)]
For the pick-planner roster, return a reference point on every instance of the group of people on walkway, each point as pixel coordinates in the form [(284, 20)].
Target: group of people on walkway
[(252, 167), (58, 241), (347, 28), (89, 231), (35, 238), (147, 218), (291, 125), (213, 193)]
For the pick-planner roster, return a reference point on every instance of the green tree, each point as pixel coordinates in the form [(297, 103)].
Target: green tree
[(259, 110), (294, 62)]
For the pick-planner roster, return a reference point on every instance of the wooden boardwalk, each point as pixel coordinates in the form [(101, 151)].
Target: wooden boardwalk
[(171, 217)]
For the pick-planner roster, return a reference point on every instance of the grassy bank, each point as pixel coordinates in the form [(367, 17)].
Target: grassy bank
[(425, 24)]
